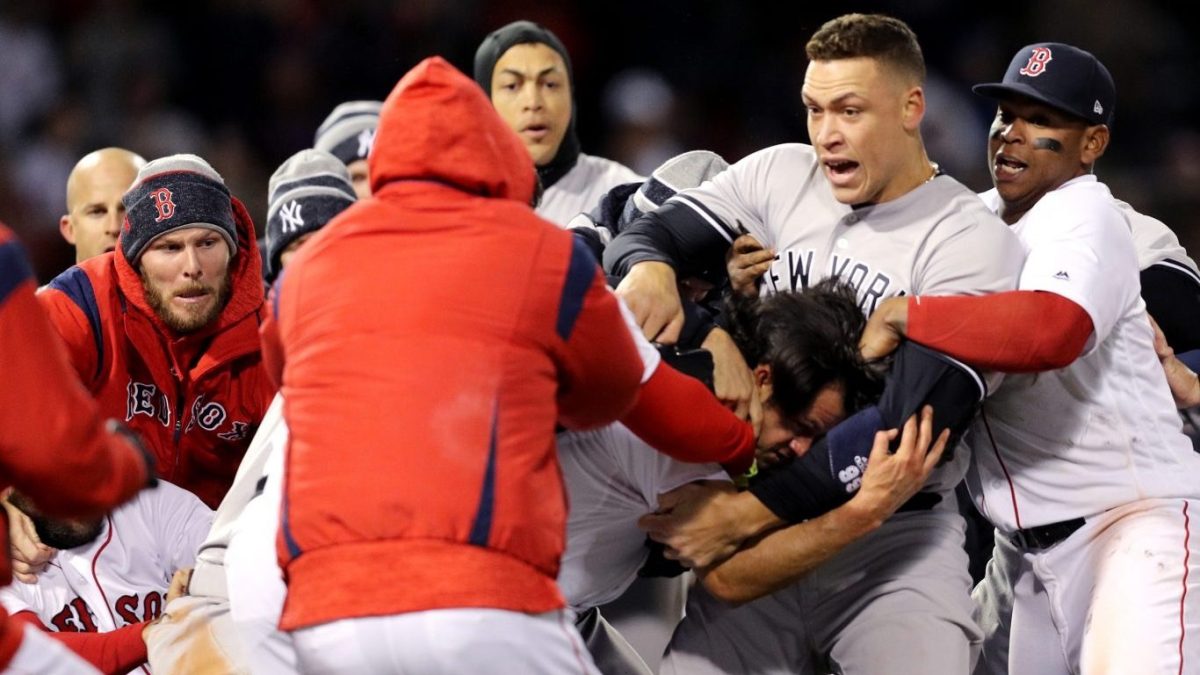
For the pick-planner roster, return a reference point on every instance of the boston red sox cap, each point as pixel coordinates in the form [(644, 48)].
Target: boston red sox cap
[(1061, 76)]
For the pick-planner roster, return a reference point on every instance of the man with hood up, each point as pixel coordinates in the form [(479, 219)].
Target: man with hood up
[(163, 330), (526, 72), (422, 493)]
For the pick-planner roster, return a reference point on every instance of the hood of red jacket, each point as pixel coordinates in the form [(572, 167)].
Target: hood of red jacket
[(245, 271), (437, 125)]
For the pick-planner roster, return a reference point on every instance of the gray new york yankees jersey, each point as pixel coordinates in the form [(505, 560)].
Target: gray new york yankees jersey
[(939, 239), (581, 189)]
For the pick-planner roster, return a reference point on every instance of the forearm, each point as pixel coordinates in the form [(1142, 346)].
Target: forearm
[(67, 461), (1012, 332), (679, 417), (783, 556), (118, 651), (674, 235), (831, 471)]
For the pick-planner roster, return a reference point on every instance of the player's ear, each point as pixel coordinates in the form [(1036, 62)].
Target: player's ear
[(1095, 142), (762, 379), (67, 231), (913, 110)]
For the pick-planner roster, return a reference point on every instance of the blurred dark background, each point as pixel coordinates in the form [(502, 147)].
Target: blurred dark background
[(245, 84)]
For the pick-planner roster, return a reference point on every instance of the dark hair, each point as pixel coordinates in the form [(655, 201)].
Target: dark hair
[(809, 339), (876, 36)]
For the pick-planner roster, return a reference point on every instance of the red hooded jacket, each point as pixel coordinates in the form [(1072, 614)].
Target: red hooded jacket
[(196, 399), (428, 339), (53, 444)]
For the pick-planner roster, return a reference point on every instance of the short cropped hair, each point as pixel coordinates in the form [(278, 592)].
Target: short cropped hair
[(876, 36)]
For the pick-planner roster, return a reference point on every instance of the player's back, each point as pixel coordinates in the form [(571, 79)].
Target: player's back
[(432, 336)]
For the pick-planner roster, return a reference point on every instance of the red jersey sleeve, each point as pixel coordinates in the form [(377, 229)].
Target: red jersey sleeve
[(601, 370), (53, 444), (112, 653), (681, 418), (1010, 332)]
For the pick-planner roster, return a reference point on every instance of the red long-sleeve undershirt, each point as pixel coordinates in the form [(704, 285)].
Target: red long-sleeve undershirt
[(1010, 332), (115, 652), (680, 417)]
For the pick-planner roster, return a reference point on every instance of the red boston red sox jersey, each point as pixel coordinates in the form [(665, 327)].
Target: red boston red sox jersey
[(122, 577)]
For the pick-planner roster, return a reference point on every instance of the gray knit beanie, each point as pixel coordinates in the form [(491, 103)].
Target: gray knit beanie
[(349, 131), (304, 193)]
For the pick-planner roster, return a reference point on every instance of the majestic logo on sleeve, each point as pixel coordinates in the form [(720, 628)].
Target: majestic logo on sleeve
[(292, 219), (164, 203), (1037, 62)]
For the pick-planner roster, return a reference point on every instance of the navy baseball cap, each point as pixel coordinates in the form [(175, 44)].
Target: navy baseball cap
[(1061, 76)]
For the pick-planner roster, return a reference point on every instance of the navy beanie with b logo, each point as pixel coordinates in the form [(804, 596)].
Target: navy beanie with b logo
[(174, 192)]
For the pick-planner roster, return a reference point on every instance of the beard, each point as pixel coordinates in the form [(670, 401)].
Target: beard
[(187, 320), (62, 534), (66, 534)]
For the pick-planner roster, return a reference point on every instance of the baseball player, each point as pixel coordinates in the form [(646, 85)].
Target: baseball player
[(469, 547), (164, 330), (1083, 469), (111, 574), (305, 193), (612, 477), (864, 204), (69, 462), (348, 133), (94, 209), (526, 72)]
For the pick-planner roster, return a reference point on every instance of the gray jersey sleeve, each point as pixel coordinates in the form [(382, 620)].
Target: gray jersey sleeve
[(694, 229)]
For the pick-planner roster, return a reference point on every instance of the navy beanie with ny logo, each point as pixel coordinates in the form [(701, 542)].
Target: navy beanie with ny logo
[(305, 192), (171, 193)]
